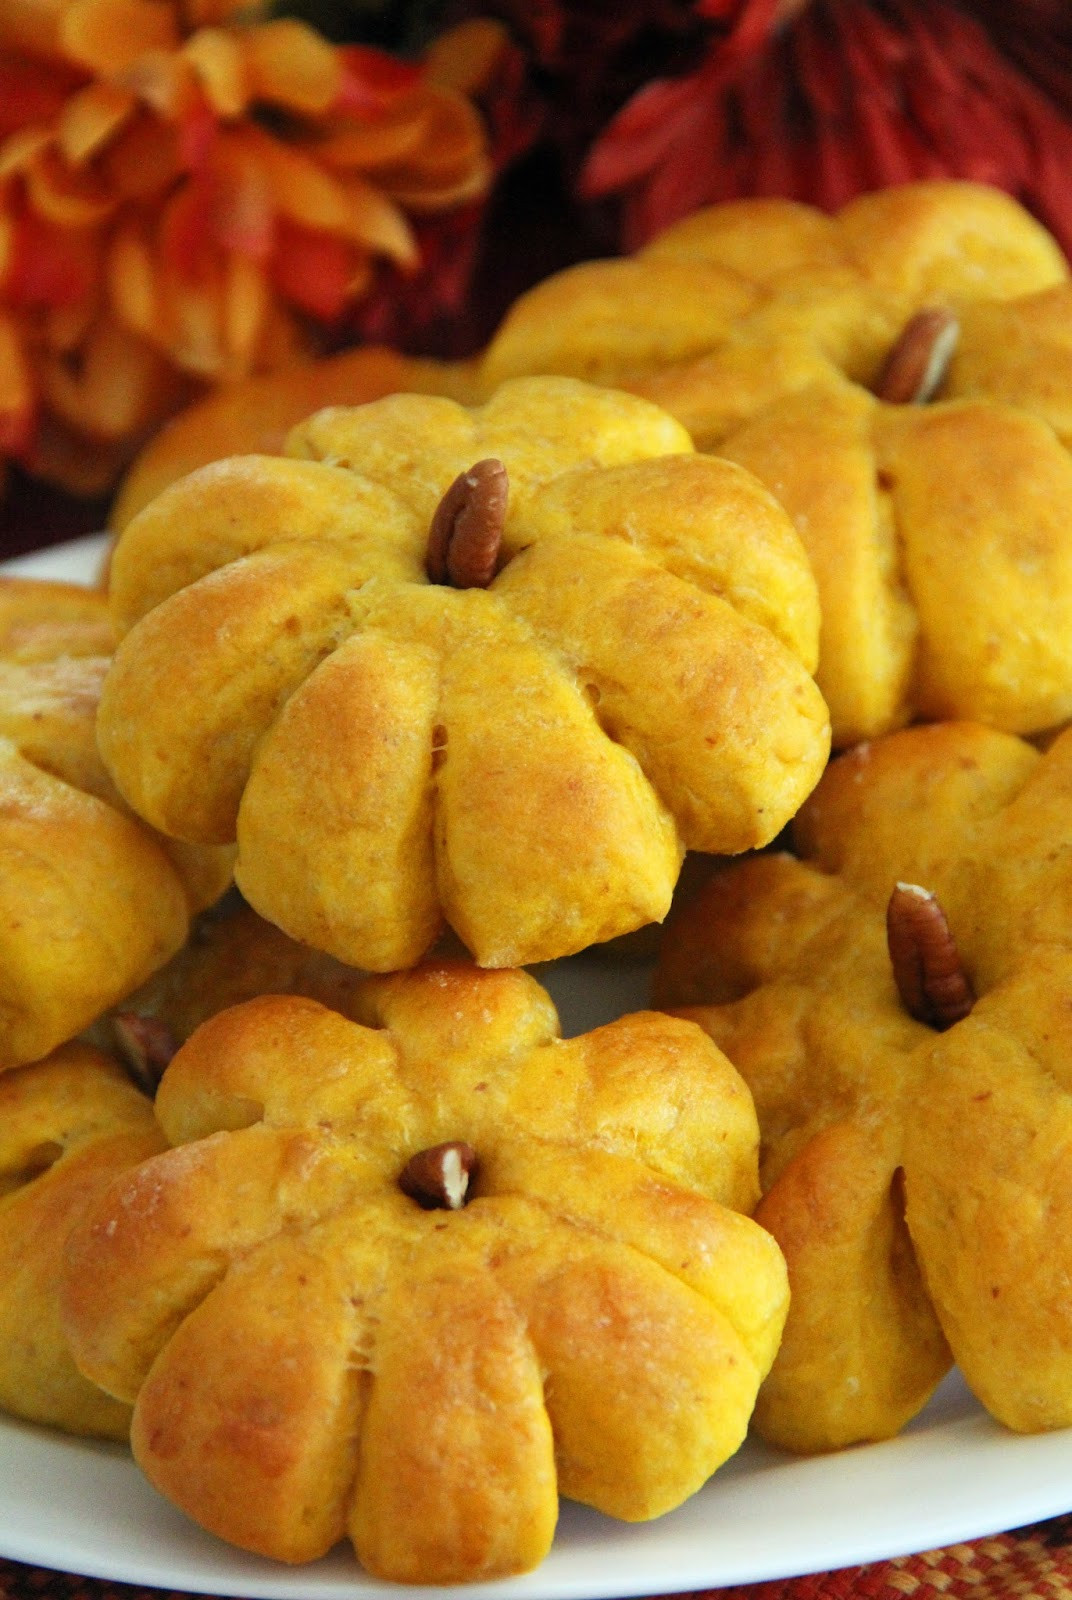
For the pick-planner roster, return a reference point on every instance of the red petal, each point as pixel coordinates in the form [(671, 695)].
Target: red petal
[(372, 81), (31, 93), (642, 136), (313, 271), (242, 206), (50, 266), (186, 232), (198, 130)]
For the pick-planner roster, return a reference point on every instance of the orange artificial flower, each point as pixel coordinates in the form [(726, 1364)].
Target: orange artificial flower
[(189, 195)]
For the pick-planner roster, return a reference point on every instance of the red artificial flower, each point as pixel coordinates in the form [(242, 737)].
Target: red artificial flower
[(822, 102)]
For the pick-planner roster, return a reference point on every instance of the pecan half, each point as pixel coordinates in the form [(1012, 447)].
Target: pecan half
[(438, 1178), (146, 1045), (927, 968), (917, 364), (467, 528)]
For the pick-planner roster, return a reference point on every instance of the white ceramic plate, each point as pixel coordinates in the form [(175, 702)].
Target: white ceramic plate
[(952, 1475)]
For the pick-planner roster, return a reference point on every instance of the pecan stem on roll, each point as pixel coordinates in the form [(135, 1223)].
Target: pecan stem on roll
[(927, 968), (438, 1178), (916, 366), (466, 532)]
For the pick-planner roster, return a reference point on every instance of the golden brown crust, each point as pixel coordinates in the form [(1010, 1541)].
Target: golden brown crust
[(68, 1126), (91, 901), (41, 620), (312, 1353), (741, 303), (895, 504), (914, 1179), (393, 754)]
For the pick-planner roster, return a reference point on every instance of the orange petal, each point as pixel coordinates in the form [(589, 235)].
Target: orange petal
[(314, 271), (219, 64), (350, 208), (50, 266), (132, 281), (90, 118), (67, 196), (16, 391), (162, 80), (243, 204), (31, 26), (185, 233), (290, 64), (144, 161), (364, 145), (194, 317), (374, 81), (245, 301), (19, 149), (31, 92), (114, 389), (454, 144), (301, 189), (108, 35), (424, 199), (377, 224), (465, 57)]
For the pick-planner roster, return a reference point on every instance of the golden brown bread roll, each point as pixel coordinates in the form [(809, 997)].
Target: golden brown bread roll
[(526, 761), (741, 303), (324, 1331), (939, 539), (68, 1125), (91, 901), (916, 1146)]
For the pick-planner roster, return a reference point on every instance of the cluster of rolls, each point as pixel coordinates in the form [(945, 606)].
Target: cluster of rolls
[(318, 1207)]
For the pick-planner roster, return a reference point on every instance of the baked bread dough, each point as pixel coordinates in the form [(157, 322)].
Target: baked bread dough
[(312, 1352), (526, 761), (231, 955), (917, 1180), (91, 901), (938, 535), (741, 303), (68, 1125)]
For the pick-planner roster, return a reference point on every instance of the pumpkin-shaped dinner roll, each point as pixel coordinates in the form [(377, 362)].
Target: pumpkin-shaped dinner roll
[(411, 1278), (940, 539), (497, 667), (743, 302), (68, 1125), (91, 901), (898, 1002)]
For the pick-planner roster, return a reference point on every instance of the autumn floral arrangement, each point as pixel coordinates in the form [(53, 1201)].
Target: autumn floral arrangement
[(191, 191), (195, 190)]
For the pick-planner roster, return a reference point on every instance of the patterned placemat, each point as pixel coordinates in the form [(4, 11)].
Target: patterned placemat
[(1033, 1563)]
